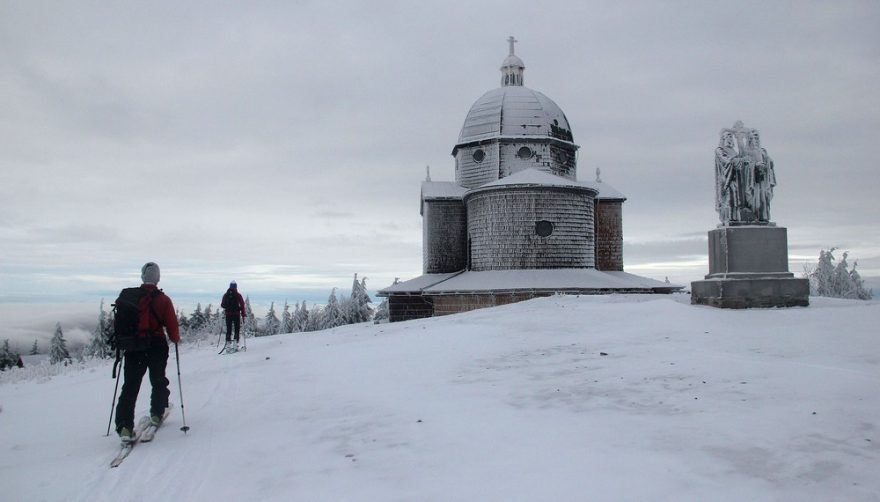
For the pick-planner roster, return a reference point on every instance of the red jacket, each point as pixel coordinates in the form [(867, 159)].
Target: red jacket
[(162, 314), (229, 307)]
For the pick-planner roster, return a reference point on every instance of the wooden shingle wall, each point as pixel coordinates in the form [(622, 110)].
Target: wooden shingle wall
[(609, 235), (542, 159), (501, 160), (444, 236), (453, 304), (471, 174), (502, 228), (408, 307)]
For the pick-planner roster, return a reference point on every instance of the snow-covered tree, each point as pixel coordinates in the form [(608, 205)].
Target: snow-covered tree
[(314, 319), (197, 320), (286, 319), (58, 347), (837, 281), (271, 325), (862, 293), (183, 325), (8, 358), (300, 317), (99, 345), (331, 314), (249, 326), (358, 308), (382, 314), (213, 321), (841, 280), (35, 349)]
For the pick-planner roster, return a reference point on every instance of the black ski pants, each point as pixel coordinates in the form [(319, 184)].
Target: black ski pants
[(233, 322), (137, 363)]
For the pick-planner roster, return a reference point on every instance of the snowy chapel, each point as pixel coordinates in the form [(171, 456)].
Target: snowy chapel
[(516, 223)]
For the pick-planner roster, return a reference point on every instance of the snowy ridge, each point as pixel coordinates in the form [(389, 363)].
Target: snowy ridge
[(563, 398)]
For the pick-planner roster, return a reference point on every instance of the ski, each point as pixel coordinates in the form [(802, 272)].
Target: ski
[(126, 448), (151, 429)]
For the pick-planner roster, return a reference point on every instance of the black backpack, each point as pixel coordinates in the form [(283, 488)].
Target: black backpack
[(230, 303), (126, 316)]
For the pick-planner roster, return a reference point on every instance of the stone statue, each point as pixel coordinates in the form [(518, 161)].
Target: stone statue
[(744, 177), (764, 177)]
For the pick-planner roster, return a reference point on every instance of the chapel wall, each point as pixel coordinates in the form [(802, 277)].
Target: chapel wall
[(444, 236), (503, 228), (609, 235)]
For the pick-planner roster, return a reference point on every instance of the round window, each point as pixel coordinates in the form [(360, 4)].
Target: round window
[(524, 152), (543, 228), (479, 155)]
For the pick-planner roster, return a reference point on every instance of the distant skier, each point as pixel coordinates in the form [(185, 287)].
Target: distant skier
[(155, 317), (234, 310)]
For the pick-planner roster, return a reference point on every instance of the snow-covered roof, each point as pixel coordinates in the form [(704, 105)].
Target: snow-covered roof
[(514, 111), (419, 283), (513, 60), (558, 280), (606, 191), (535, 177), (532, 176), (442, 190)]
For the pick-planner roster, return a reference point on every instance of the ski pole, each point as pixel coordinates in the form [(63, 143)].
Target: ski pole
[(115, 390), (220, 334), (244, 337), (180, 388)]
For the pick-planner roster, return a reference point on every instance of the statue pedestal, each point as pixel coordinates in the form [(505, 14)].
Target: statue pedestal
[(748, 267)]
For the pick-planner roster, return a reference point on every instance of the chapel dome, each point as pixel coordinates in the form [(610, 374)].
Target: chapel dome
[(514, 111)]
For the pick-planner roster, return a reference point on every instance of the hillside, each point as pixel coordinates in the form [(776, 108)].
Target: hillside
[(561, 398)]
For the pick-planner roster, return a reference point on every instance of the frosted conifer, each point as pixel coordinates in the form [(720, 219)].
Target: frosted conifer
[(250, 322), (286, 319), (837, 281), (271, 324), (331, 315), (58, 347)]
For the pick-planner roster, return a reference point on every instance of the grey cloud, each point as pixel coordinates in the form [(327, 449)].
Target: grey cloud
[(251, 142)]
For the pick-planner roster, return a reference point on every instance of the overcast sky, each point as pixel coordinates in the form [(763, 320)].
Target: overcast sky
[(282, 144)]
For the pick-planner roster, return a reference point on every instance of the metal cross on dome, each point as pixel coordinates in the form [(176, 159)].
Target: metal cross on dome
[(511, 41)]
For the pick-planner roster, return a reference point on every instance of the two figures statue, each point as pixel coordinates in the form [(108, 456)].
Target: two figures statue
[(744, 177)]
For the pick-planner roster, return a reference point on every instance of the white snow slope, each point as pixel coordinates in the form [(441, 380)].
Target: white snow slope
[(511, 403)]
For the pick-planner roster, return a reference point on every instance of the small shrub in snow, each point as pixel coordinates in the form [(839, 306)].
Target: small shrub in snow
[(836, 281)]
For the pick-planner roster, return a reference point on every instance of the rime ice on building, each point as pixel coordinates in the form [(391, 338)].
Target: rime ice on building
[(516, 223)]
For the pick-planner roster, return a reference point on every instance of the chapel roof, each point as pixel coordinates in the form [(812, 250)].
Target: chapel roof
[(535, 177), (514, 111)]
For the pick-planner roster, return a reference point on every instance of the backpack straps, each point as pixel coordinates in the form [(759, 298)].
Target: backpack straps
[(153, 295)]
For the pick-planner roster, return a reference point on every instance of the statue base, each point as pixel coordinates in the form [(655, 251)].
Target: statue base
[(748, 267)]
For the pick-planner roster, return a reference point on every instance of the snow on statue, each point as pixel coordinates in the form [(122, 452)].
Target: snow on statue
[(744, 177)]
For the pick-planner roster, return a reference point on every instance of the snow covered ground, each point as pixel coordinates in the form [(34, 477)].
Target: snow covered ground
[(561, 398)]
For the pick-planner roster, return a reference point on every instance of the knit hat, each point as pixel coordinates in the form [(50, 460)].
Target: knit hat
[(150, 273), (233, 285)]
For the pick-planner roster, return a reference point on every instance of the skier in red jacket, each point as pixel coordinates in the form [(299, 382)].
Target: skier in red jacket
[(234, 310), (156, 315)]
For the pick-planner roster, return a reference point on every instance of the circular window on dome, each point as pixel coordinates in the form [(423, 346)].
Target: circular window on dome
[(525, 153), (543, 228), (479, 155)]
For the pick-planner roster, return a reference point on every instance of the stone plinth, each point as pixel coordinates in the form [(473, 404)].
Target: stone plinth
[(748, 267)]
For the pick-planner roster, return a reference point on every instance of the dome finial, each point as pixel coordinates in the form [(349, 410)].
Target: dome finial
[(512, 68)]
